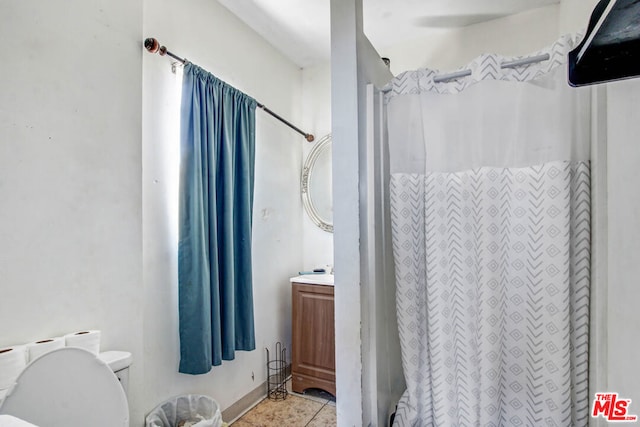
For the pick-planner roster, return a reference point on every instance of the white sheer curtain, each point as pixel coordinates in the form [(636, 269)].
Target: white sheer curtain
[(490, 199)]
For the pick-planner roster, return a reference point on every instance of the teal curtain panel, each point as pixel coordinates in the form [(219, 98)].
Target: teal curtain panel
[(217, 139)]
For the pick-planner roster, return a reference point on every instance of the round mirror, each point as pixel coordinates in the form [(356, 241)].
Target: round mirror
[(316, 185)]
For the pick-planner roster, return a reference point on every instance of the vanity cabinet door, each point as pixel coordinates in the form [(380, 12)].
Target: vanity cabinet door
[(313, 338)]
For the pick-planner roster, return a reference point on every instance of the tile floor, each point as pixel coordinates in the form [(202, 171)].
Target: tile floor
[(315, 408)]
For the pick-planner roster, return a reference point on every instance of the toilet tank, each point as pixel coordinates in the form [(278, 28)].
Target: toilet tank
[(119, 362)]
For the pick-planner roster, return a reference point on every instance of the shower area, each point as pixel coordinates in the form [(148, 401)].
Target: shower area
[(490, 196), (484, 223)]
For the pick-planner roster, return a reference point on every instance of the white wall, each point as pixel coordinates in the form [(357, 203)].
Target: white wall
[(383, 381), (354, 64), (70, 174), (72, 182), (516, 35), (346, 222), (210, 36), (316, 119), (623, 292), (380, 352)]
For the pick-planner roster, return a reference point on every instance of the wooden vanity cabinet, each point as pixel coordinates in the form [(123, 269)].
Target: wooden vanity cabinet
[(313, 363)]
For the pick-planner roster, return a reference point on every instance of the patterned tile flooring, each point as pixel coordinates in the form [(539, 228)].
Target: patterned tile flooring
[(315, 408)]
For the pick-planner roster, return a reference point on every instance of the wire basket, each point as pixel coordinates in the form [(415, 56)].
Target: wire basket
[(277, 374)]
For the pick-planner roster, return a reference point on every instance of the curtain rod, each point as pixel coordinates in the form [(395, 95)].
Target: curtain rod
[(509, 64), (153, 46), (466, 72)]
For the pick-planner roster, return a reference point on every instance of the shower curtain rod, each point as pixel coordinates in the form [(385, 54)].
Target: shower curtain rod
[(509, 64), (153, 46), (466, 72)]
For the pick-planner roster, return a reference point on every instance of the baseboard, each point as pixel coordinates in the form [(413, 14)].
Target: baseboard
[(247, 402)]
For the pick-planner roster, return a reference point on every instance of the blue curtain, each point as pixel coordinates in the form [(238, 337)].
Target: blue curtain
[(216, 200)]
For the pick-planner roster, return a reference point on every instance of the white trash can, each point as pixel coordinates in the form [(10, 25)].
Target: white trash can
[(191, 410)]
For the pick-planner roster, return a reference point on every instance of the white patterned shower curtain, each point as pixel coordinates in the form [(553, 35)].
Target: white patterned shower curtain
[(490, 202)]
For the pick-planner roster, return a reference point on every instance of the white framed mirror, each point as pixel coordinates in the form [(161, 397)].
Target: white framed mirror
[(315, 185)]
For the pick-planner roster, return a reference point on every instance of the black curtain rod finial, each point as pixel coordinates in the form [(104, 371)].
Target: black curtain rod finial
[(151, 44)]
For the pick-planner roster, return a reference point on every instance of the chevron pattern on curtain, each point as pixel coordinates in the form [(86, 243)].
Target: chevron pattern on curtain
[(493, 275)]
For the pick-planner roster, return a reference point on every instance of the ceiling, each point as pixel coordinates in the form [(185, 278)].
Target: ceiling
[(300, 29)]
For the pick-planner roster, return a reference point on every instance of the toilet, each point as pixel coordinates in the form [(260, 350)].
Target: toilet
[(72, 387)]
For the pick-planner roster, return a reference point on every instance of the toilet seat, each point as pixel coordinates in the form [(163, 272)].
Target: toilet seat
[(68, 387)]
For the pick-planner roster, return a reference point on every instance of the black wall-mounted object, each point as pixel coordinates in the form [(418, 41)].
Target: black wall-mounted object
[(611, 47)]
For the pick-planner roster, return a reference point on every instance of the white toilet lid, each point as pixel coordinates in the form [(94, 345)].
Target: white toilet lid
[(68, 387)]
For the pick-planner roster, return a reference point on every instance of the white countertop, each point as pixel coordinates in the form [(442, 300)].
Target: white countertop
[(314, 279)]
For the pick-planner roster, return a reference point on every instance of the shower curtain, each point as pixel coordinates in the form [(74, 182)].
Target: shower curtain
[(490, 200)]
